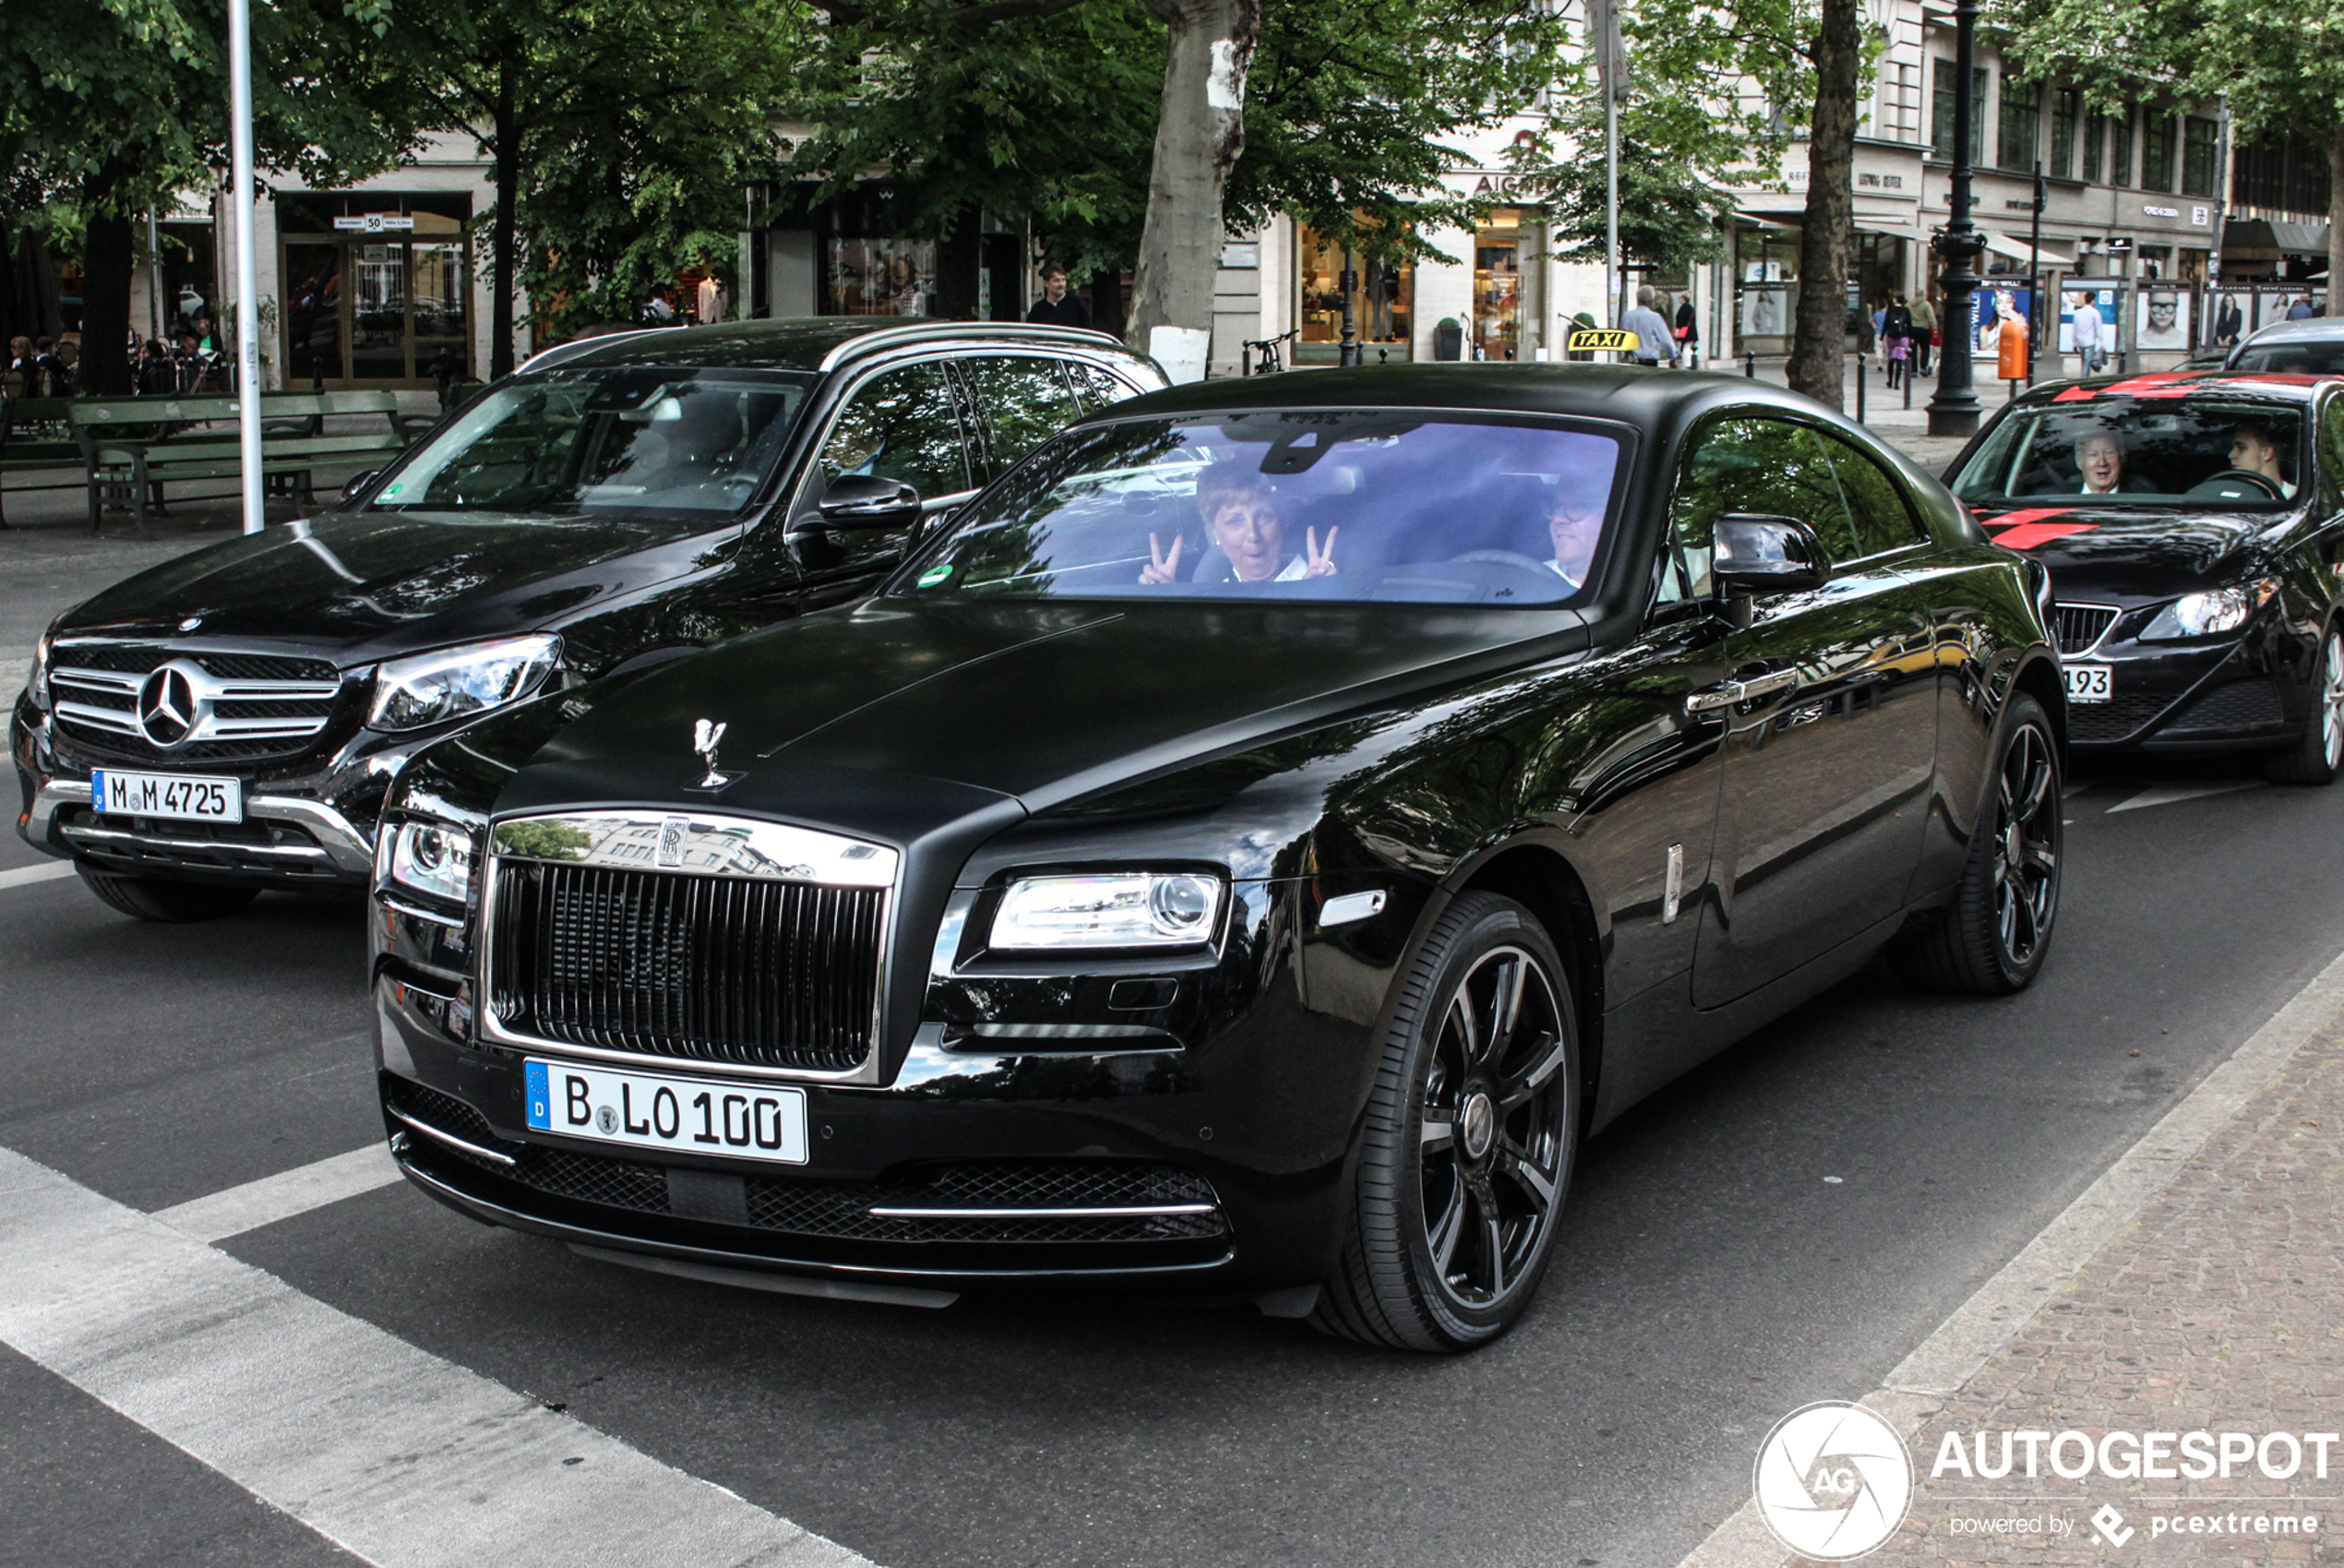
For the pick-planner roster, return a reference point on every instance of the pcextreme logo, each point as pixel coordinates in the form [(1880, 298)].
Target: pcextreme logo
[(1833, 1481)]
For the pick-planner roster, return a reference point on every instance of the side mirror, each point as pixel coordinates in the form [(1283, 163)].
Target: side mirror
[(355, 485), (1756, 554), (865, 501)]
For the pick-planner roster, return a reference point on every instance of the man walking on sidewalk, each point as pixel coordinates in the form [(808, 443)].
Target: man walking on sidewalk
[(1924, 333), (1655, 342), (1057, 307)]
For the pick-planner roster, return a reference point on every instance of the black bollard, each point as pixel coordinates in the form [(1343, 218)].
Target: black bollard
[(1750, 364), (1862, 367)]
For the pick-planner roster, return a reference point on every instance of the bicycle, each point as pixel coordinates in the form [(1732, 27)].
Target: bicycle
[(1270, 362)]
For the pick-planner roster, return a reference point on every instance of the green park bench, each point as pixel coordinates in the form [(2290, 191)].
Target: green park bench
[(35, 438), (132, 447)]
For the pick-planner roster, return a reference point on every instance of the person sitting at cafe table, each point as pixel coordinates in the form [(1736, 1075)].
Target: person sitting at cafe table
[(1246, 523)]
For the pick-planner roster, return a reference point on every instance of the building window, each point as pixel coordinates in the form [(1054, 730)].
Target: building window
[(2095, 133), (2197, 156), (2120, 157), (2021, 142), (2067, 106), (1941, 138), (879, 277), (2156, 153), (2284, 175), (1380, 303), (1497, 286), (2156, 261)]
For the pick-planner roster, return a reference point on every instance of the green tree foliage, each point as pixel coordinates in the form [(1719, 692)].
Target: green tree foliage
[(108, 107), (1348, 108), (2278, 64)]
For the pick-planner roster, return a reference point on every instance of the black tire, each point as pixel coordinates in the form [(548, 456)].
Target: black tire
[(1991, 939), (164, 901), (1448, 1233), (2318, 756)]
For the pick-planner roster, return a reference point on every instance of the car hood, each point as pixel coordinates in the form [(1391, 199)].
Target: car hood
[(2130, 553), (840, 718), (361, 585)]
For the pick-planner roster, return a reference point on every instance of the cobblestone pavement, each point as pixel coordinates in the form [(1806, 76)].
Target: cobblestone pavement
[(2220, 1308)]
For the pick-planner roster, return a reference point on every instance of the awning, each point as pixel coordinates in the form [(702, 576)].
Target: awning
[(2019, 250), (1761, 221), (2276, 234)]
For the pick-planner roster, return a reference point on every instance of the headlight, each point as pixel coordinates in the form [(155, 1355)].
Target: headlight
[(429, 687), (2204, 615), (434, 858), (36, 679), (1127, 909)]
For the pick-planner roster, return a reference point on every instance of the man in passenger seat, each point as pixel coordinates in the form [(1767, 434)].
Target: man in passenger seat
[(1574, 525), (1244, 522)]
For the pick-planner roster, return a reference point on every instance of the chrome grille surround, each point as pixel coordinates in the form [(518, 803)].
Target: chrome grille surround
[(687, 846), (223, 705)]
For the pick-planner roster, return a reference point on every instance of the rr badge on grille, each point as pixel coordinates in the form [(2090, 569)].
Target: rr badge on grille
[(706, 736), (670, 842)]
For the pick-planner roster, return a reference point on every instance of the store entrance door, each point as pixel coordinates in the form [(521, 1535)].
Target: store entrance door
[(375, 312)]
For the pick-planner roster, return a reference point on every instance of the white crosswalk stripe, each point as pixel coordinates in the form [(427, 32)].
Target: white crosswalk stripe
[(401, 1458), (283, 1196), (25, 875), (2167, 795)]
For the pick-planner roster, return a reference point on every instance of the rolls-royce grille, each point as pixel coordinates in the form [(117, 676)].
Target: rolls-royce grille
[(720, 969), (2077, 627)]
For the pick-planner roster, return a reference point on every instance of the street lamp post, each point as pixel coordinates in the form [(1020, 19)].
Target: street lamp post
[(1349, 353), (2036, 317), (1952, 408)]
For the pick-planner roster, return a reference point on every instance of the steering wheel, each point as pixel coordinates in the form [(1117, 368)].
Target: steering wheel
[(1498, 557), (2243, 475)]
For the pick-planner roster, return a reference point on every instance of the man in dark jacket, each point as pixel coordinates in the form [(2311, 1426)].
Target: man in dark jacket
[(1057, 307)]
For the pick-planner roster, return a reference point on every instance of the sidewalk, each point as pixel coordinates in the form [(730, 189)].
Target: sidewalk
[(1885, 415), (2191, 1300)]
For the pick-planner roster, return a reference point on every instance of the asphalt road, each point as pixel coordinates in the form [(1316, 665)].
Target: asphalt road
[(1710, 1279)]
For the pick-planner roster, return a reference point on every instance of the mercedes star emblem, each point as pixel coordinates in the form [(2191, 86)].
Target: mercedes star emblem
[(169, 708)]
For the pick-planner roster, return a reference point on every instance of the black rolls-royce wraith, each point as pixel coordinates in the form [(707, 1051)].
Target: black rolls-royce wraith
[(1245, 855), (2192, 524)]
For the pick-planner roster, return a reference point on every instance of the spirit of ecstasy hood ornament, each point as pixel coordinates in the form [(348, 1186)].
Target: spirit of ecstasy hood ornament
[(706, 737)]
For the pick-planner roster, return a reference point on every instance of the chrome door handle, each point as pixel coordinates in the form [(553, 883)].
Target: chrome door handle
[(1728, 693), (1780, 680)]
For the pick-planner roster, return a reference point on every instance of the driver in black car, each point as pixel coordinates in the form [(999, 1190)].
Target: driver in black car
[(2254, 450), (1574, 525), (1245, 523)]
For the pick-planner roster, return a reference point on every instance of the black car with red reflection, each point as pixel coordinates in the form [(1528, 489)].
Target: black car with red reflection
[(2194, 526), (1245, 855)]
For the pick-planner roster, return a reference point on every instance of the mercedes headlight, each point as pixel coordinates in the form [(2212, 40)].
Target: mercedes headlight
[(432, 858), (428, 688), (1121, 909), (2211, 613), (36, 679)]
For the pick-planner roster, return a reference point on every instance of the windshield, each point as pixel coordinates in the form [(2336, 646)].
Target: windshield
[(2146, 451), (632, 439), (2319, 357), (1367, 505)]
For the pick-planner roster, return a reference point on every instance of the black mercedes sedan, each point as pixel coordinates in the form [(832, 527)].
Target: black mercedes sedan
[(1245, 855), (2194, 527), (229, 721)]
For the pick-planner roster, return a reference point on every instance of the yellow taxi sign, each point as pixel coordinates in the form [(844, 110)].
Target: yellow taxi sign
[(1586, 338)]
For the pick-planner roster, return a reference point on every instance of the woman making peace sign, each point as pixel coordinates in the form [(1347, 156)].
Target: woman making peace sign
[(1243, 520)]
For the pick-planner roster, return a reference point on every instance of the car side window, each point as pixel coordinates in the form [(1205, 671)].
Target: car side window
[(899, 425), (2332, 453), (1024, 401), (1095, 389), (1884, 519), (1768, 466)]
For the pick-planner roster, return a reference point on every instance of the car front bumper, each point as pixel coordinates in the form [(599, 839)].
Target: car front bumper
[(1065, 1149), (2244, 695)]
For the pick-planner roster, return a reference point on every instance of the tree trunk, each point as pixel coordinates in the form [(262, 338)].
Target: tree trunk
[(107, 258), (2335, 222), (500, 306), (1818, 349), (1197, 139)]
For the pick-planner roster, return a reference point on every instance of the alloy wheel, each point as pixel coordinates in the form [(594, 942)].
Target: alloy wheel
[(2332, 699), (1495, 1127), (2026, 830)]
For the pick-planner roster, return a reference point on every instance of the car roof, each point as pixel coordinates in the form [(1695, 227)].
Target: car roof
[(816, 343), (1628, 393), (2284, 385), (2312, 329)]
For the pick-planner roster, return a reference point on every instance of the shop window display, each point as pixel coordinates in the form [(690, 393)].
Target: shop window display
[(1382, 308), (1497, 286), (879, 277)]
